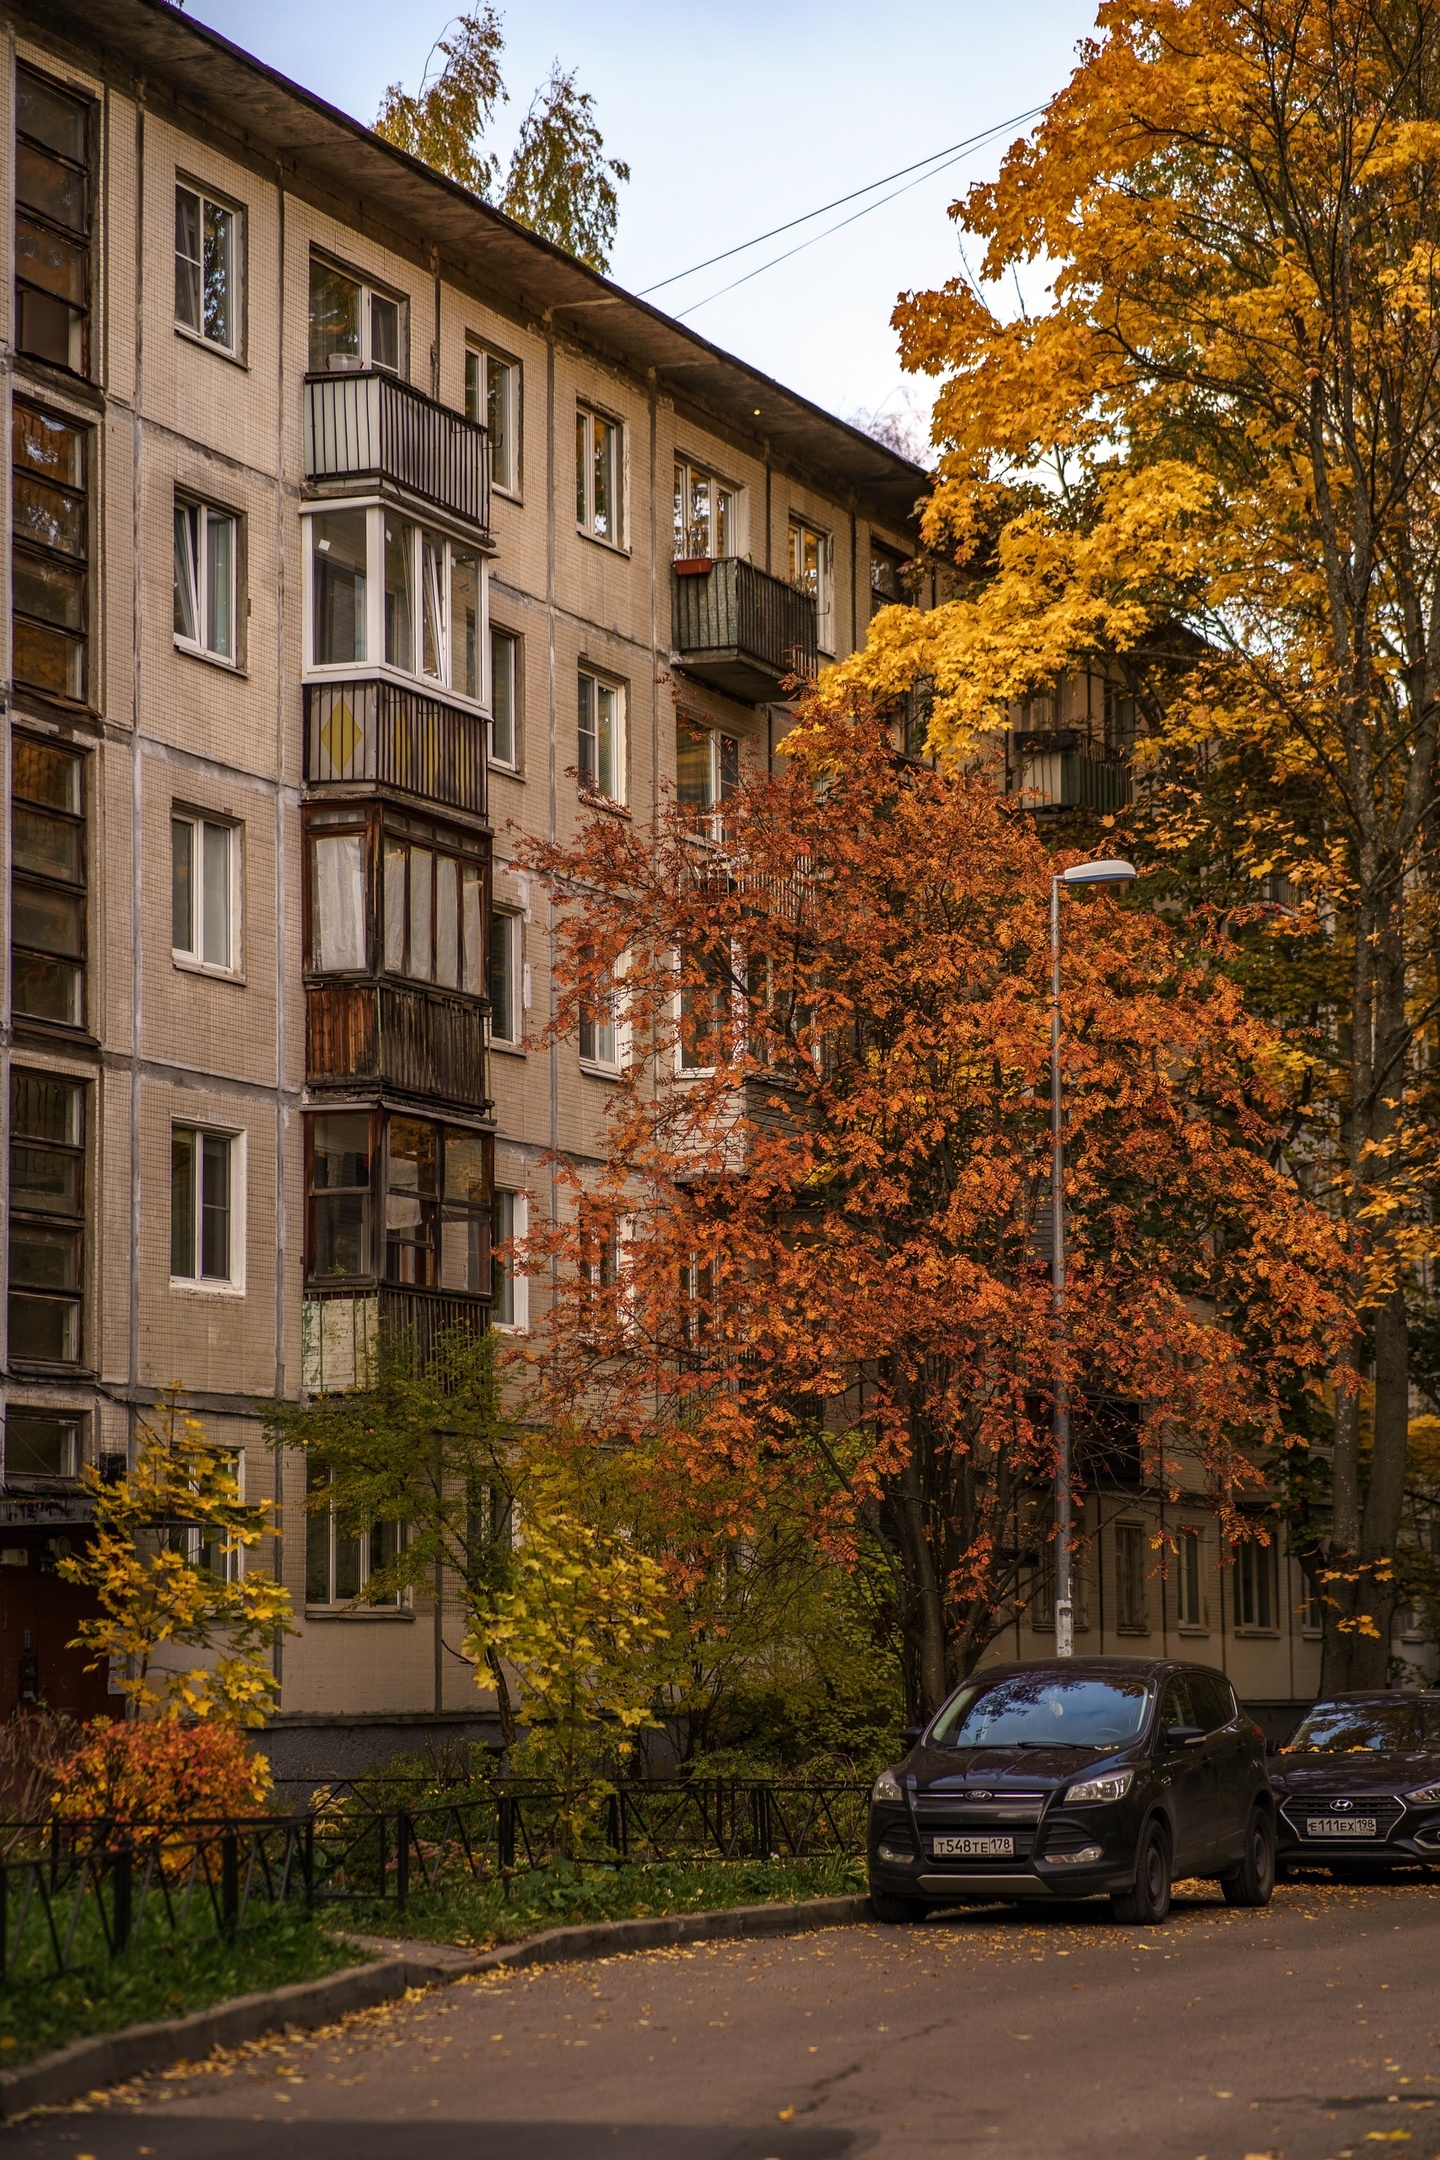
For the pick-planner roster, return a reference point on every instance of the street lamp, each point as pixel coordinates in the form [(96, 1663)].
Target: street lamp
[(1089, 873)]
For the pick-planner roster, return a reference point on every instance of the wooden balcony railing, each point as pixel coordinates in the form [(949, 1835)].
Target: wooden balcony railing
[(366, 426), (1064, 769), (395, 737), (414, 1040), (742, 630)]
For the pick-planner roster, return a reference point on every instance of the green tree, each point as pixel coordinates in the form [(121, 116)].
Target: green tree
[(559, 181)]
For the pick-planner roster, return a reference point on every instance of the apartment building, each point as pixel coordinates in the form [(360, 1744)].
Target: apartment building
[(353, 534)]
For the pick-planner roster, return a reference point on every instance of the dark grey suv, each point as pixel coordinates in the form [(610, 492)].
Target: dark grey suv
[(1082, 1777)]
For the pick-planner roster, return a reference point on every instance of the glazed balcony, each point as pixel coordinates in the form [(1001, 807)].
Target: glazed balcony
[(403, 1037), (365, 429), (1065, 769), (741, 630), (384, 734)]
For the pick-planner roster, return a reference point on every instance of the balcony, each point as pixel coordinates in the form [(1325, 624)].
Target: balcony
[(382, 733), (1064, 769), (367, 428), (339, 1330), (741, 630), (414, 1041)]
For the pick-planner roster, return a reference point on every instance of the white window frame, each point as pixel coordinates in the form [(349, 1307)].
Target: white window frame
[(375, 664), (480, 358), (601, 686), (705, 734), (232, 1564), (369, 292), (514, 1024), (519, 1321), (736, 1019), (824, 577), (1190, 1555), (499, 634), (233, 1284), (191, 956), (207, 199), (604, 1053), (359, 1608), (197, 574), (586, 418), (697, 469)]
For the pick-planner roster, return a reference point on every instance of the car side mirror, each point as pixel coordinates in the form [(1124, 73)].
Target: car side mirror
[(1179, 1736), (909, 1734), (1272, 1747)]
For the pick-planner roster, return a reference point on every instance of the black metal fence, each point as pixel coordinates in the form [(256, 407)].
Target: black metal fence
[(89, 1891)]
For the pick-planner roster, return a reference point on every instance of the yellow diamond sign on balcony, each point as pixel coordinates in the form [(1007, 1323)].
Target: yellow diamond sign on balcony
[(341, 737)]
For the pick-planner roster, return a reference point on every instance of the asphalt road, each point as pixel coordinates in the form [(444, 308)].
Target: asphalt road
[(1311, 2031)]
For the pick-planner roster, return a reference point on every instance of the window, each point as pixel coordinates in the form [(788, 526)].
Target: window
[(504, 698), (1255, 1603), (492, 397), (338, 943), (206, 561), (341, 1223), (1190, 1610), (1119, 717), (351, 322), (41, 1444), (47, 1218), (810, 573), (887, 587), (600, 1033), (52, 222), (50, 457), (707, 764), (217, 1555), (202, 898), (706, 995), (510, 1288), (504, 977), (1042, 1589), (47, 840), (1130, 1604), (426, 593), (434, 903), (598, 509), (207, 300), (704, 515), (436, 1203), (1213, 1700), (600, 722), (202, 1209), (339, 1564)]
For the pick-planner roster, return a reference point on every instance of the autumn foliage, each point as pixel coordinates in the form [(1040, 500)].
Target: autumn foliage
[(813, 1257), (160, 1771)]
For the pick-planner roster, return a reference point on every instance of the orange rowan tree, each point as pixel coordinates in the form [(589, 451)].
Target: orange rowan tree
[(813, 1255), (1225, 415)]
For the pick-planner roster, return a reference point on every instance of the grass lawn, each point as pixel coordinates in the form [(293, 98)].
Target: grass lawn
[(481, 1914), (163, 1978)]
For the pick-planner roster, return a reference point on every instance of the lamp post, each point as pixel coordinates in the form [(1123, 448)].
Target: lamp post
[(1090, 873)]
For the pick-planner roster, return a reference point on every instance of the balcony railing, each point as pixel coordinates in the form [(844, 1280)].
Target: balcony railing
[(413, 1040), (340, 1330), (367, 426), (742, 630), (393, 737), (1063, 769)]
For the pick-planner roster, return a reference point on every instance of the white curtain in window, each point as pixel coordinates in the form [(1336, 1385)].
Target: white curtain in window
[(339, 902)]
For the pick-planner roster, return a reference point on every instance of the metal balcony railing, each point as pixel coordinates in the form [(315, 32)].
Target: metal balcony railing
[(367, 426), (1063, 769), (741, 629), (383, 733)]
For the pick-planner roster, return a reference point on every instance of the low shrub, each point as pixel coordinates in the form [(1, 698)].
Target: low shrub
[(157, 1770)]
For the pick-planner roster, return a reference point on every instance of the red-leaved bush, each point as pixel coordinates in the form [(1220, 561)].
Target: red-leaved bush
[(156, 1770)]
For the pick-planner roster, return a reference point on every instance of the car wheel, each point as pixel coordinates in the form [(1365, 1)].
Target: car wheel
[(1254, 1880), (1149, 1902), (896, 1911)]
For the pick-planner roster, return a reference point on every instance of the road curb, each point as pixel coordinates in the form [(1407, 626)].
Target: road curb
[(111, 2058)]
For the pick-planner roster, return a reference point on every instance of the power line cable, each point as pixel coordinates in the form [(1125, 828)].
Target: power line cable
[(800, 247), (775, 231)]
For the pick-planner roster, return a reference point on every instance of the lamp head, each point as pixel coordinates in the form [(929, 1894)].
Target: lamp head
[(1098, 873)]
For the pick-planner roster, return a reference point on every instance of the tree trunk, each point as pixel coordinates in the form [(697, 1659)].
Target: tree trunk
[(926, 1680)]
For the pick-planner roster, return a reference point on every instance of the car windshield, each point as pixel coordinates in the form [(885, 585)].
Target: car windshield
[(1041, 1710), (1341, 1728)]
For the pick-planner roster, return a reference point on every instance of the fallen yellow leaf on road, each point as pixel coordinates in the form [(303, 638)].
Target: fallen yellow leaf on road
[(1387, 2137), (785, 2114)]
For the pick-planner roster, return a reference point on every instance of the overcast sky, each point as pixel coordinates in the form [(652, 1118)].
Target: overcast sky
[(734, 118)]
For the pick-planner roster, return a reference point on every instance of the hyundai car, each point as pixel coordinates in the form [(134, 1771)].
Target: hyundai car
[(1358, 1786), (1083, 1777)]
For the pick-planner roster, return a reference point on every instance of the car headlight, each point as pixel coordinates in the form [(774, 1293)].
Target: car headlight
[(1113, 1787), (1424, 1794), (887, 1787)]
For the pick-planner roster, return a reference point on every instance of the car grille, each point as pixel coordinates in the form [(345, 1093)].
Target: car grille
[(1300, 1813), (1012, 1815)]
